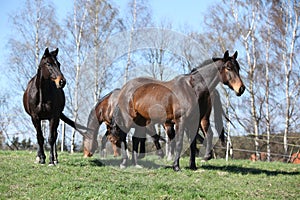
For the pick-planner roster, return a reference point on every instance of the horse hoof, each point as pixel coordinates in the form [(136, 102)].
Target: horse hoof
[(206, 158), (161, 154), (51, 165), (194, 168), (55, 162), (37, 160), (138, 166), (169, 158), (122, 166), (176, 168), (42, 162)]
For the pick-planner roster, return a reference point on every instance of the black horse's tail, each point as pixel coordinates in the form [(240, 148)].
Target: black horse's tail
[(73, 124), (67, 120)]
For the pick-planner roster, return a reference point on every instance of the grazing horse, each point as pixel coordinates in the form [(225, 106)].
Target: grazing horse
[(103, 112), (145, 101), (44, 99)]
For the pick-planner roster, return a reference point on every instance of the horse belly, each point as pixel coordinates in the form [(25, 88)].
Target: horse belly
[(154, 112)]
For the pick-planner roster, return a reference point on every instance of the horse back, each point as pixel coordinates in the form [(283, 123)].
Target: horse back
[(105, 106)]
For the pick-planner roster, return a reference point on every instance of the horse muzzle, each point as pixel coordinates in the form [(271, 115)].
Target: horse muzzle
[(60, 82), (240, 91)]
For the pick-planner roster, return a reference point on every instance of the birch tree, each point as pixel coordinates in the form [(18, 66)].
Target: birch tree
[(139, 17), (76, 24), (286, 20), (103, 21)]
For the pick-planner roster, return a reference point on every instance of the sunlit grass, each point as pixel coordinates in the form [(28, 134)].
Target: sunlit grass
[(94, 178)]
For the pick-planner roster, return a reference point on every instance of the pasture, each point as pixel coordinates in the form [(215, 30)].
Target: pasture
[(76, 177)]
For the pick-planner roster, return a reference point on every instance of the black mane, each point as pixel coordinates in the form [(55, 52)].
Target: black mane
[(204, 63)]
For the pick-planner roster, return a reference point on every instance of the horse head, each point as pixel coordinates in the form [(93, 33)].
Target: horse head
[(49, 68), (90, 145), (229, 73)]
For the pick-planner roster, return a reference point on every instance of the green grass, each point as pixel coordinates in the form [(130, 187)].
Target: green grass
[(94, 178)]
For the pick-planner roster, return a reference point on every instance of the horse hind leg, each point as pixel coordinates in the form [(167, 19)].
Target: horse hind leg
[(123, 149), (206, 129), (155, 137), (135, 146), (52, 140), (41, 157)]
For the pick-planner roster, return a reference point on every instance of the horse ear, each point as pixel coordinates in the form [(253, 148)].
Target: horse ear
[(54, 53), (226, 55), (235, 54), (46, 53)]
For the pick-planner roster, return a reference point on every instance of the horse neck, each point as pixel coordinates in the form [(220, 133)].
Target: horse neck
[(41, 84), (206, 78)]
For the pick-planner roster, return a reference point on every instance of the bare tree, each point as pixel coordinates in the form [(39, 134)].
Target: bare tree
[(76, 24), (267, 107), (286, 18), (139, 17), (103, 21)]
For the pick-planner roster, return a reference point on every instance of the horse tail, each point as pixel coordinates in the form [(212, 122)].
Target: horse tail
[(218, 118), (67, 120), (117, 122), (72, 123)]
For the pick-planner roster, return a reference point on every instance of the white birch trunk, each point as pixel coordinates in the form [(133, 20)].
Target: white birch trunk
[(78, 34), (268, 125), (130, 43), (288, 66)]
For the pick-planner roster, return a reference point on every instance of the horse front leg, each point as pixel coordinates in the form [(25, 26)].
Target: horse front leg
[(193, 154), (54, 122), (179, 143), (41, 157), (123, 149), (138, 139), (103, 145)]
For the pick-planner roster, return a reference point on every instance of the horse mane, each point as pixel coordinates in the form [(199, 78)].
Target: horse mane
[(204, 63), (101, 99)]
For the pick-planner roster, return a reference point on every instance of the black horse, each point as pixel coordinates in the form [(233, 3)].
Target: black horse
[(44, 99)]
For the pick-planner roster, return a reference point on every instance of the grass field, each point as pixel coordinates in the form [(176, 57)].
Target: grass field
[(94, 178)]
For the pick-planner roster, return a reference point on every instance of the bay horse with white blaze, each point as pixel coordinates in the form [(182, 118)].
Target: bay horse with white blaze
[(44, 99), (177, 101)]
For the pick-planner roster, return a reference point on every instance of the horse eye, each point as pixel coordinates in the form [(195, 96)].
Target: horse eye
[(49, 64)]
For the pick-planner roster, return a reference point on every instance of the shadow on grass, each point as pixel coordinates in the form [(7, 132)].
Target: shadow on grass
[(116, 163), (247, 170)]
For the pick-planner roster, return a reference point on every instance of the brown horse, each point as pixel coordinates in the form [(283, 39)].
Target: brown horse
[(103, 112), (144, 101), (295, 158), (44, 99)]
